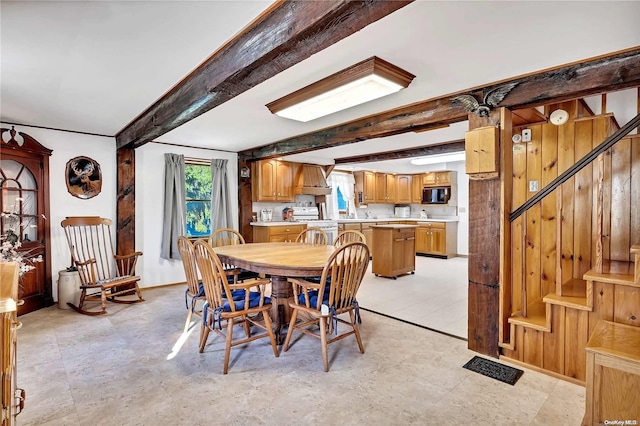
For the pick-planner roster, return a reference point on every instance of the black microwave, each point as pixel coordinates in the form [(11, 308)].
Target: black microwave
[(436, 194)]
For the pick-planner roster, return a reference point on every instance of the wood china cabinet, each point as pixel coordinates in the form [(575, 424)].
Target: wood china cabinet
[(24, 197)]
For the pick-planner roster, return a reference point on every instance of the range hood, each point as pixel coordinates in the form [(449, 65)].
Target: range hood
[(311, 181)]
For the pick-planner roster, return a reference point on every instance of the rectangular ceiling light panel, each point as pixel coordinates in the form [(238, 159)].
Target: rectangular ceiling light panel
[(360, 83)]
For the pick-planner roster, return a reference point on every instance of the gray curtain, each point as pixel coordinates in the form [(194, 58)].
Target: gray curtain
[(221, 216), (175, 216)]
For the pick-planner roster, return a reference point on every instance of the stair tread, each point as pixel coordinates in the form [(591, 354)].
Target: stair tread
[(615, 272), (574, 295), (536, 316)]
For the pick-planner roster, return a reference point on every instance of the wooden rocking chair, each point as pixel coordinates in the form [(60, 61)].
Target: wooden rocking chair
[(103, 274)]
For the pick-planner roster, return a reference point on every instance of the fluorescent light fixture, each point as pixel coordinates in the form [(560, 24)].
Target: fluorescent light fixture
[(439, 158), (360, 83)]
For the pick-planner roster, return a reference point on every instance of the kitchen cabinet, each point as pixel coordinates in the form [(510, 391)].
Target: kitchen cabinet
[(404, 189), (385, 188), (437, 238), (416, 189), (481, 148), (437, 178), (272, 181), (277, 233), (365, 187), (394, 249)]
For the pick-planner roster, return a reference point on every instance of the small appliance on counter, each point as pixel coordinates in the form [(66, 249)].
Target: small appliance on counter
[(423, 214), (266, 215), (402, 211)]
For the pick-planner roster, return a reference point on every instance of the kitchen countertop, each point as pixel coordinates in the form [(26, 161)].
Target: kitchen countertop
[(399, 219), (380, 219)]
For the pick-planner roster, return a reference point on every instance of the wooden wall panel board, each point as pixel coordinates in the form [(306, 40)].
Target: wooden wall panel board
[(532, 254), (576, 337), (566, 158), (506, 193), (606, 203), (603, 294), (635, 190), (553, 350), (620, 200), (533, 238), (549, 241), (626, 309), (583, 202), (599, 134), (533, 347), (519, 197)]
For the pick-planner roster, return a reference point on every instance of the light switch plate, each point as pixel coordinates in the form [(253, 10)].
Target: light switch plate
[(533, 186), (526, 135)]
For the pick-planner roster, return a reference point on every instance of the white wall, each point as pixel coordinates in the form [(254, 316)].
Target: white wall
[(66, 146), (149, 197), (150, 204)]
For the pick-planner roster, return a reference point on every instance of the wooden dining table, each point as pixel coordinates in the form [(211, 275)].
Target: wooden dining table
[(280, 261)]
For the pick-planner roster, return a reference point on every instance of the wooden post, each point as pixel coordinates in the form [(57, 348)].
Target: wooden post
[(126, 204), (484, 256), (244, 202)]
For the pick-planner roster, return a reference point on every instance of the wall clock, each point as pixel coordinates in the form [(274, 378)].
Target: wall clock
[(559, 117)]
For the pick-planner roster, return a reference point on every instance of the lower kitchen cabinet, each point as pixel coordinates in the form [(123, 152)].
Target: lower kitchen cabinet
[(277, 233), (437, 238), (394, 250)]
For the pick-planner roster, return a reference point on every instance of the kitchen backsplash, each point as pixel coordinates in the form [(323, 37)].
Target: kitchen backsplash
[(387, 210)]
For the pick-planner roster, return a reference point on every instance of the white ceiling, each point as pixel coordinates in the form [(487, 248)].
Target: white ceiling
[(93, 66)]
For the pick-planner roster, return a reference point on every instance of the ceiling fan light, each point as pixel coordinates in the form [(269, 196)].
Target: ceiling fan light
[(360, 83)]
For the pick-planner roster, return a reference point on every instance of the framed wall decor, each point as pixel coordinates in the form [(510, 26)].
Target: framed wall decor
[(84, 177)]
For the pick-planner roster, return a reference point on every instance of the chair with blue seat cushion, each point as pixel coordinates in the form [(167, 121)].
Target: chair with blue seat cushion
[(343, 272), (227, 237), (195, 291), (252, 310)]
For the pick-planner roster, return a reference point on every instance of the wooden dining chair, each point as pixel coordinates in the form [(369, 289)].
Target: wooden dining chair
[(252, 309), (322, 304), (227, 237), (313, 236), (103, 274), (195, 290), (349, 236)]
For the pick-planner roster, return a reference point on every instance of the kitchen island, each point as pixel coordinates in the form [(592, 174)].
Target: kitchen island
[(435, 237), (394, 249)]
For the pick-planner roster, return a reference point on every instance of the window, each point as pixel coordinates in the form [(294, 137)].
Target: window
[(342, 204), (198, 197)]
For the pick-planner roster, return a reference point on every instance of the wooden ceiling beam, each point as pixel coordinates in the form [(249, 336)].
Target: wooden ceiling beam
[(597, 75), (284, 35), (441, 148)]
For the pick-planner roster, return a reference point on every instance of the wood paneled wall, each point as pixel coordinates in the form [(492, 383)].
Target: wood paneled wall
[(547, 247)]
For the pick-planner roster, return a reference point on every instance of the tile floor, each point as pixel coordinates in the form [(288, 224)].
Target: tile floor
[(135, 366), (434, 297)]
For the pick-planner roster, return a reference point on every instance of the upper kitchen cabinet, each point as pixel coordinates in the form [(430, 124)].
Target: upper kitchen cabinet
[(365, 187), (437, 178), (416, 189), (404, 189), (385, 188), (272, 181)]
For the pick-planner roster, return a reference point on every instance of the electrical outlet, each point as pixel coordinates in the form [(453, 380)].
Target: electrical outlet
[(526, 135), (533, 186)]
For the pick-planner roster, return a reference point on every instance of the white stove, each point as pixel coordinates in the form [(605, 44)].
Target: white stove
[(310, 216)]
